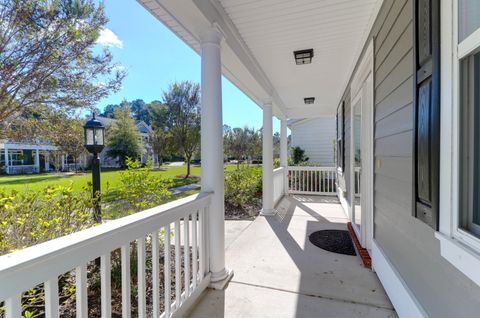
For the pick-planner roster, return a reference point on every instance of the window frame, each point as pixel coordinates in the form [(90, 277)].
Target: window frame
[(341, 138), (457, 245)]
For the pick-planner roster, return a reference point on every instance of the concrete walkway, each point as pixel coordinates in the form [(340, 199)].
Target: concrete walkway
[(279, 273)]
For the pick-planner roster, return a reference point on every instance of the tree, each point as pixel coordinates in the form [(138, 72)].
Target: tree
[(123, 138), (238, 142), (182, 102), (276, 145), (47, 58), (298, 155), (161, 143), (71, 140), (255, 147)]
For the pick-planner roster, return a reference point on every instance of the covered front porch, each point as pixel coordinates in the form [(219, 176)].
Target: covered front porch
[(280, 273)]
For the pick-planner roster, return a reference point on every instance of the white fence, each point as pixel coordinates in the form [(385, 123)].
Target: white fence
[(312, 180), (278, 184), (146, 234)]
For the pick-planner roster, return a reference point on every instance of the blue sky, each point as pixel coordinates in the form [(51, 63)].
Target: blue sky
[(154, 57)]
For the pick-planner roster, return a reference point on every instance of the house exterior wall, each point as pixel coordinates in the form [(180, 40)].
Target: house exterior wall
[(408, 243), (317, 137)]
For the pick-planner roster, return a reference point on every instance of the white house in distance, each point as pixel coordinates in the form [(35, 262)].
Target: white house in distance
[(36, 156), (402, 78), (317, 137)]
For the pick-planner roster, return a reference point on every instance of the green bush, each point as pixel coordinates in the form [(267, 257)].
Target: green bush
[(298, 155), (139, 189), (31, 217), (243, 185)]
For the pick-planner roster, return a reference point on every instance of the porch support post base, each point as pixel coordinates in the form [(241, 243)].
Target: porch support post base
[(268, 212), (221, 284)]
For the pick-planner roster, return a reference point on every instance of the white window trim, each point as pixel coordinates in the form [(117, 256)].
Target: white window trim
[(460, 248)]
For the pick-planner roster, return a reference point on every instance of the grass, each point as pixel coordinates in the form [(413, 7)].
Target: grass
[(78, 181)]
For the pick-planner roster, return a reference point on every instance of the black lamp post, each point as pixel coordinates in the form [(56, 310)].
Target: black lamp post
[(94, 143)]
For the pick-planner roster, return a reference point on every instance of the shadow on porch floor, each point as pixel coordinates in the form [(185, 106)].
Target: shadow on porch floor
[(279, 273)]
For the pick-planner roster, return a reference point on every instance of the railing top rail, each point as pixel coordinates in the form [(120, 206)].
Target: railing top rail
[(278, 170), (33, 265), (311, 168)]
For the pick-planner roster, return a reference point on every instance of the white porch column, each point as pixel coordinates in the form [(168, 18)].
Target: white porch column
[(37, 160), (7, 160), (284, 153), (267, 170), (212, 153), (283, 143)]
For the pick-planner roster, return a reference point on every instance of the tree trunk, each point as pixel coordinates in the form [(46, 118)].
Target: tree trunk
[(188, 166)]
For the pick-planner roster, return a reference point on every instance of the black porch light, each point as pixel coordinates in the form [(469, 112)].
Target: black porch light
[(303, 56), (94, 133), (309, 100)]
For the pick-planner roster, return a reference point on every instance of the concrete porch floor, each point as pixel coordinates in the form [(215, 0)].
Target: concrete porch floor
[(279, 273)]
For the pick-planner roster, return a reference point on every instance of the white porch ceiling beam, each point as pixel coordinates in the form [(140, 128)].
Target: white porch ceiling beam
[(216, 14)]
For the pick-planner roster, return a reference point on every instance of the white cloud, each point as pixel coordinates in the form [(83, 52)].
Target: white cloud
[(118, 67), (110, 39)]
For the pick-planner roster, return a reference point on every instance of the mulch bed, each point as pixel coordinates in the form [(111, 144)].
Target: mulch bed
[(248, 212)]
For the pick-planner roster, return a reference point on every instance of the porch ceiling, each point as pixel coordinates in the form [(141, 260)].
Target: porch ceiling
[(261, 35)]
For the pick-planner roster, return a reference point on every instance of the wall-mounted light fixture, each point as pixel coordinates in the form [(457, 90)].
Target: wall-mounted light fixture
[(309, 100), (303, 56)]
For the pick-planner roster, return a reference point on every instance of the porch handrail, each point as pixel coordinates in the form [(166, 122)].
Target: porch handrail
[(278, 184), (312, 180), (43, 263)]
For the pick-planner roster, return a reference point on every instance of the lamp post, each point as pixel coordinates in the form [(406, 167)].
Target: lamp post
[(95, 142)]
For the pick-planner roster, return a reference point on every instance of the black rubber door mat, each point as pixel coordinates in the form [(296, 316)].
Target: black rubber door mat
[(336, 241)]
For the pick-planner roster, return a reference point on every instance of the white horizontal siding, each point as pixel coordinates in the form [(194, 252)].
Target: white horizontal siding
[(316, 136)]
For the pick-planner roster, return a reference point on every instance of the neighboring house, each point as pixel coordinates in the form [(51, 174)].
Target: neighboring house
[(145, 132), (26, 157), (38, 156), (317, 137)]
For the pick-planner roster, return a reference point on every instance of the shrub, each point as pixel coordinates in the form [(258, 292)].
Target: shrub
[(298, 155), (243, 185), (139, 189), (32, 217)]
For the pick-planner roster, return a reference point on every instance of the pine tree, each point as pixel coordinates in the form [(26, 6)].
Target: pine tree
[(123, 138)]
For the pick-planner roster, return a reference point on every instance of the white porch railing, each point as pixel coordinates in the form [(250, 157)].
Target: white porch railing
[(278, 184), (312, 180), (44, 263), (20, 169)]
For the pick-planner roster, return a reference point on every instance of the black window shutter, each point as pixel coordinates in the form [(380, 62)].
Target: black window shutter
[(426, 154)]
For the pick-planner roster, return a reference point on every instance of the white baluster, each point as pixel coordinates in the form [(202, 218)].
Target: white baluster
[(186, 255), (142, 310), (13, 306), (126, 305), (178, 278), (202, 253), (106, 287), (166, 270), (194, 250), (51, 298), (81, 291), (155, 276)]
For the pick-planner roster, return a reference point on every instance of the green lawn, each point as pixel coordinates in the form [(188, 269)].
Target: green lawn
[(78, 181)]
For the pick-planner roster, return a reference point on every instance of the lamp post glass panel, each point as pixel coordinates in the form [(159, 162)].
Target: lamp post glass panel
[(94, 143)]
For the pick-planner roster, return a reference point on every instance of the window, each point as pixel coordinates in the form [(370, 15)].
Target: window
[(341, 137), (16, 157), (469, 218), (459, 230)]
